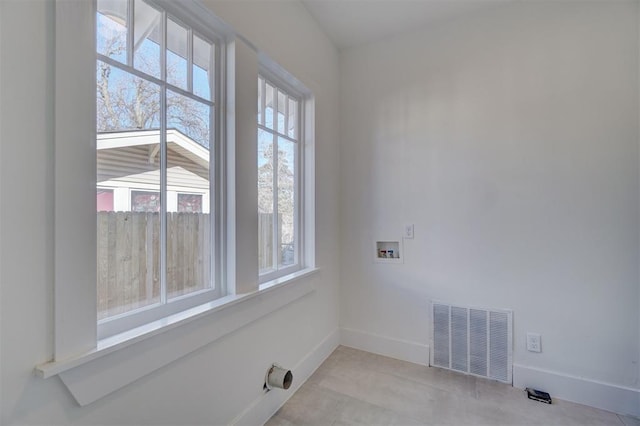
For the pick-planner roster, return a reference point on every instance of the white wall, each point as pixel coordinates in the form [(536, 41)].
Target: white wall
[(217, 383), (509, 137), (638, 15)]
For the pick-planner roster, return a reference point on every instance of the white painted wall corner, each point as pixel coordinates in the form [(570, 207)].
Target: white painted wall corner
[(403, 350), (606, 396), (265, 406)]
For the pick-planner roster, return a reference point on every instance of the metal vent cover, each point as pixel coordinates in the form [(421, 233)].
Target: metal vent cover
[(475, 341)]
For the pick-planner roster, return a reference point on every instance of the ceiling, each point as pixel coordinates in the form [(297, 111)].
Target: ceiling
[(350, 23)]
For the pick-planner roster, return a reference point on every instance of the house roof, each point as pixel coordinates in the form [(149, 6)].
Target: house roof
[(177, 142), (133, 157)]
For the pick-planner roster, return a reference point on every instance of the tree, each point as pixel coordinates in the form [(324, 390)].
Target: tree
[(285, 192), (127, 102)]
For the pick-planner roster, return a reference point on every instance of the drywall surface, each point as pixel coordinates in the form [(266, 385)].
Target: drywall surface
[(509, 137), (215, 384)]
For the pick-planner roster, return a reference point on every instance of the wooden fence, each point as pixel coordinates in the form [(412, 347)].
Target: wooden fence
[(265, 250), (129, 258), (265, 235)]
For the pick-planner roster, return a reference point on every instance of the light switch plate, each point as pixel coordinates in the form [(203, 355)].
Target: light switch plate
[(408, 231)]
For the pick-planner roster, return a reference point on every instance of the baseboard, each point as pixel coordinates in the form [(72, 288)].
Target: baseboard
[(606, 396), (404, 350), (618, 399), (265, 406)]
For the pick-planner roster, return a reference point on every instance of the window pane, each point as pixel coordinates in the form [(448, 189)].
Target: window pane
[(269, 105), (128, 224), (188, 116), (282, 107), (286, 201), (292, 123), (145, 201), (265, 201), (201, 67), (128, 261), (260, 95), (190, 203), (176, 54), (111, 26), (146, 41), (124, 101), (188, 215), (104, 200)]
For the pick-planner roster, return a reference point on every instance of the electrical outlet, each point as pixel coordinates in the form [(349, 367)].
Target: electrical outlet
[(408, 231), (533, 342)]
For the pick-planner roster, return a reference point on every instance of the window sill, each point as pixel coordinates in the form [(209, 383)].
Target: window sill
[(91, 375)]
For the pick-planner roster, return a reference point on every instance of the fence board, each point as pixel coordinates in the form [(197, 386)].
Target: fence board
[(128, 258), (103, 260), (265, 237), (112, 287)]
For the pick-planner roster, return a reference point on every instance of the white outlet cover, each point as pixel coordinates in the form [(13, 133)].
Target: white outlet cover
[(533, 342)]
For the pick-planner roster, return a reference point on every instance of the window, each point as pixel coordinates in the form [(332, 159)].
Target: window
[(190, 203), (156, 155), (166, 154), (279, 174), (143, 201), (104, 200)]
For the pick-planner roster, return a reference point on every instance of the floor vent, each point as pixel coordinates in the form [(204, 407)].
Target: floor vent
[(475, 341)]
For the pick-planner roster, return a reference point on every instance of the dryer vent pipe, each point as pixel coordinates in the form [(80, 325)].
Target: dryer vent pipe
[(278, 377)]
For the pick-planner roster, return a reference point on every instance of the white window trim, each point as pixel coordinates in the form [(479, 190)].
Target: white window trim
[(75, 161), (92, 368), (122, 359)]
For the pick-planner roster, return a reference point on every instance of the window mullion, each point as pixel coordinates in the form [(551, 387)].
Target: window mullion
[(163, 47), (212, 75), (276, 222), (276, 219), (190, 61), (260, 126), (130, 33), (217, 172), (302, 173), (297, 201), (286, 115), (163, 162), (189, 95), (263, 102), (213, 182)]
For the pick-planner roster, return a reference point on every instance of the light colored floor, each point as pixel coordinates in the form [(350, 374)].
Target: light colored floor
[(356, 387)]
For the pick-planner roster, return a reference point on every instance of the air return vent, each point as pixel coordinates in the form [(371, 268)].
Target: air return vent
[(472, 340)]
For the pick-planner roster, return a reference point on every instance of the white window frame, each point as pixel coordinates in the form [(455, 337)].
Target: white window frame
[(270, 77), (117, 324)]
